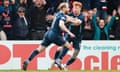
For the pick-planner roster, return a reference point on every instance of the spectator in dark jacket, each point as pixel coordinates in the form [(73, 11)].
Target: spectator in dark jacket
[(7, 15), (37, 14), (102, 9), (21, 25), (116, 26), (88, 28)]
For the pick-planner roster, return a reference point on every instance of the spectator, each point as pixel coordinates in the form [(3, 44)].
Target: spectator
[(88, 28), (116, 26), (21, 25), (7, 15), (102, 9), (102, 28), (22, 3), (112, 4), (37, 14), (0, 2)]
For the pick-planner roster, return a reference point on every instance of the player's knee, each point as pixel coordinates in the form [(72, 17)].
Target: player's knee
[(67, 44), (59, 48), (41, 48)]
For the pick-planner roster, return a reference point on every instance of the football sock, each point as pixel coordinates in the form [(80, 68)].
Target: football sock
[(57, 54), (63, 52), (34, 53), (70, 61)]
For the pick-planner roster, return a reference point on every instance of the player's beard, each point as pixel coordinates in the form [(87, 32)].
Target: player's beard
[(67, 12)]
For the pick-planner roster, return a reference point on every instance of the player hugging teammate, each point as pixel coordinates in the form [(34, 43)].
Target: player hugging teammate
[(54, 34), (77, 31)]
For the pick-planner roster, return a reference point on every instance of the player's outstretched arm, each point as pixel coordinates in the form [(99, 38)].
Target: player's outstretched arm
[(74, 21), (64, 28)]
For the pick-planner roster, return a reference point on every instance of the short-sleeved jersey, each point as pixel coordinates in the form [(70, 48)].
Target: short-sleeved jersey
[(54, 35), (55, 24), (77, 30)]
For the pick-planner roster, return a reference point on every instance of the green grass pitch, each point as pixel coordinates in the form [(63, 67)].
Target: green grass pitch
[(59, 71)]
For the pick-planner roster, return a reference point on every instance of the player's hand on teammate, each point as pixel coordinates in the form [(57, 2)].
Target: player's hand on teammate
[(71, 35), (75, 21), (69, 18)]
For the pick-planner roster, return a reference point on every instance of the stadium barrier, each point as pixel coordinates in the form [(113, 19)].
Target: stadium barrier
[(94, 55)]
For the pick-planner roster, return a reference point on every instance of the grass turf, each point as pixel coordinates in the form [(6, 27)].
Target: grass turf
[(59, 71)]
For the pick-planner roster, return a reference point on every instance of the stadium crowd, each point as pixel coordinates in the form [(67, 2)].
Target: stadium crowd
[(30, 19)]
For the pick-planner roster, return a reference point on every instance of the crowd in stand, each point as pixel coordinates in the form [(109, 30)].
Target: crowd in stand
[(30, 19)]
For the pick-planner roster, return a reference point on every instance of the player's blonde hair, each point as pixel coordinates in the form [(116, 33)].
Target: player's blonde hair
[(62, 5)]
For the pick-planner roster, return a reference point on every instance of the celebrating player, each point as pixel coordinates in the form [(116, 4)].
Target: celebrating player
[(54, 35), (75, 29)]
